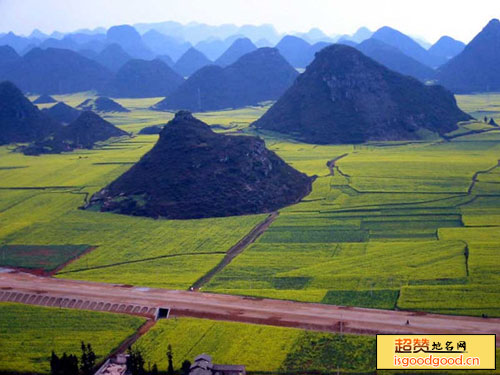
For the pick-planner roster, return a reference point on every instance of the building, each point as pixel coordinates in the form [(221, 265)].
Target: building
[(203, 366)]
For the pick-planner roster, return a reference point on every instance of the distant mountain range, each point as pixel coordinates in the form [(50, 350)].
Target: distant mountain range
[(408, 46), (191, 61), (143, 79), (446, 48), (55, 71), (147, 41), (113, 57), (240, 47), (119, 61), (394, 59), (130, 40), (257, 76), (296, 51)]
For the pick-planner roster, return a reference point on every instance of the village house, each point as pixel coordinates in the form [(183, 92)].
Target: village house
[(203, 365)]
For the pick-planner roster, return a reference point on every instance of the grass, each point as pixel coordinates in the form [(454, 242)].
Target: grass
[(380, 299), (28, 334), (259, 348), (264, 349)]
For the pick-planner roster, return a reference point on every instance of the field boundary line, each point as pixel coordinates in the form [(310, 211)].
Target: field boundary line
[(235, 250), (476, 175), (139, 261)]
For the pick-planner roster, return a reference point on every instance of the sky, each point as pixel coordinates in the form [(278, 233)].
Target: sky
[(430, 19)]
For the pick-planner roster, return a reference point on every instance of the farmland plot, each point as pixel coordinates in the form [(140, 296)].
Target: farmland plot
[(28, 334)]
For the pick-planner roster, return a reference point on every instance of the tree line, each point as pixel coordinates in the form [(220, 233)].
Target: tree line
[(136, 363), (71, 365), (85, 364)]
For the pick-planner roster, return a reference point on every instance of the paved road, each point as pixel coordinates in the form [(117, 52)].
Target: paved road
[(311, 316)]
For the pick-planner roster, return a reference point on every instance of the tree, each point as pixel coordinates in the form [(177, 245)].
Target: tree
[(186, 366), (66, 365), (135, 362), (170, 356), (72, 365), (83, 359), (54, 364), (91, 357), (87, 360)]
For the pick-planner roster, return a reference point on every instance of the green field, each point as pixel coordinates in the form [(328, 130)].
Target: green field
[(28, 334), (429, 209), (263, 349), (259, 348), (408, 225)]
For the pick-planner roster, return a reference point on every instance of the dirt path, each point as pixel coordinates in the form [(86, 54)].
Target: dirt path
[(31, 289), (476, 176), (234, 251), (331, 163), (132, 339)]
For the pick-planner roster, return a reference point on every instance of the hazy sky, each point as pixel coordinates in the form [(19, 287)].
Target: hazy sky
[(461, 19)]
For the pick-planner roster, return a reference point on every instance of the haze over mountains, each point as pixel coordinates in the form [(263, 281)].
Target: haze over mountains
[(477, 67), (395, 60), (141, 79), (191, 61), (113, 57), (446, 48), (407, 45), (130, 40), (62, 113), (255, 77), (240, 47), (20, 120), (8, 55), (56, 71), (346, 97), (153, 59)]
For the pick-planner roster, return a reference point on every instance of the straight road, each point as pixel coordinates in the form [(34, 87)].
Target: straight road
[(18, 285)]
